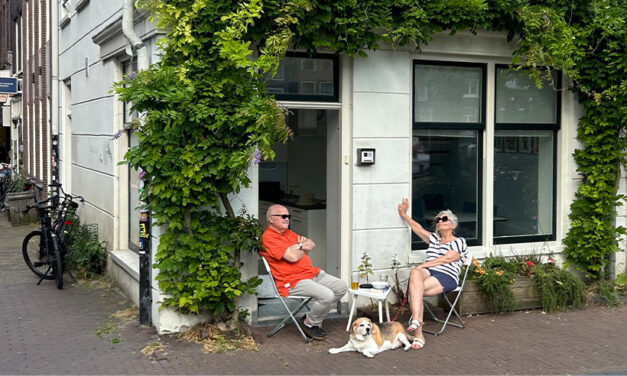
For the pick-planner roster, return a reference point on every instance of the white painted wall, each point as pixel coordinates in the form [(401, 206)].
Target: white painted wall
[(382, 113), (89, 160), (381, 120)]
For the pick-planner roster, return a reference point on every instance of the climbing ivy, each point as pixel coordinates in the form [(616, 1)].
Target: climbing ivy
[(208, 115), (588, 41)]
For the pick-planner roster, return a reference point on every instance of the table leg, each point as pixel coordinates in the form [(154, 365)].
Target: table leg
[(380, 312), (387, 309), (350, 316)]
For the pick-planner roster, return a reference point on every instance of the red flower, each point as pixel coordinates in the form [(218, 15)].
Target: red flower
[(530, 263)]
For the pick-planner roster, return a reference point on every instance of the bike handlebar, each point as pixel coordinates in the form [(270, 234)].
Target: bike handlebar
[(68, 199)]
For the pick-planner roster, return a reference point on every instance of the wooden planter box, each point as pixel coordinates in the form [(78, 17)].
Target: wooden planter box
[(471, 301), (17, 202)]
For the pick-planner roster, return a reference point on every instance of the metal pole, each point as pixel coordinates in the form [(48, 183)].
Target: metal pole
[(145, 292)]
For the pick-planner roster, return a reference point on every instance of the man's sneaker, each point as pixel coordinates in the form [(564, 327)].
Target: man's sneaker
[(314, 332)]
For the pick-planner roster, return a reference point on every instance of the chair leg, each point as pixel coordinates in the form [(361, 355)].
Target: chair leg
[(291, 317), (446, 321)]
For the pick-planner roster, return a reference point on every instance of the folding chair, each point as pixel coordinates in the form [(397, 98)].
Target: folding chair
[(290, 313), (458, 292)]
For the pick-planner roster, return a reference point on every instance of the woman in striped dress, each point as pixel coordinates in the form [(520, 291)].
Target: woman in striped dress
[(440, 271)]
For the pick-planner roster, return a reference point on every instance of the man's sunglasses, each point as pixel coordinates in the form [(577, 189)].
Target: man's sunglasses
[(443, 218), (283, 216)]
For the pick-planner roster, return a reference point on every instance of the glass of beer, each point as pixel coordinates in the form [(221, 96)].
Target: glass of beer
[(354, 285)]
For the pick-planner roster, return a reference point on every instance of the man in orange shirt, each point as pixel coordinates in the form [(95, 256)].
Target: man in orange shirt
[(287, 255)]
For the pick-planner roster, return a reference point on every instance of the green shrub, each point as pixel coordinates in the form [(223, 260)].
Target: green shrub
[(85, 254), (621, 280), (18, 184), (607, 292), (559, 288)]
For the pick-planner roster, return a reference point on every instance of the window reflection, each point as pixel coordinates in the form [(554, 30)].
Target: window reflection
[(519, 100), (523, 183), (445, 176), (448, 94), (305, 78)]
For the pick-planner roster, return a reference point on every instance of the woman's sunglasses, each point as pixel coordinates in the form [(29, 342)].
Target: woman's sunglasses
[(443, 218), (283, 216)]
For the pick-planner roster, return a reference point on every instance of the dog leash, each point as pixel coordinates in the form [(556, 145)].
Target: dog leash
[(403, 303)]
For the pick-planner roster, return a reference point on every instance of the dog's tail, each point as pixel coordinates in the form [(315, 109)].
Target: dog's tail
[(410, 337)]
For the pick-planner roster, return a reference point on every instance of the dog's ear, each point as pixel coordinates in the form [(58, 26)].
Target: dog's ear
[(373, 328), (354, 326)]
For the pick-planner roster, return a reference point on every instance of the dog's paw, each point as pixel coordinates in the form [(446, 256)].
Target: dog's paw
[(334, 350), (369, 355), (407, 347)]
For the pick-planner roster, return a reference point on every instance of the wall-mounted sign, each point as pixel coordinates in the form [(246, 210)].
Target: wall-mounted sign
[(8, 85)]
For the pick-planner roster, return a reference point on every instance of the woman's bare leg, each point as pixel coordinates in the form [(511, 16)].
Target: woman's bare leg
[(421, 284)]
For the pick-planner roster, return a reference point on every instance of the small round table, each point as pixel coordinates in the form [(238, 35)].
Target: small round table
[(379, 295)]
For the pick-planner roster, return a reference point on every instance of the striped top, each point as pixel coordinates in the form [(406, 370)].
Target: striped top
[(436, 250)]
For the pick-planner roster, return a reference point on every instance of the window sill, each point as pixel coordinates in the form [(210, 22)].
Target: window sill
[(127, 260)]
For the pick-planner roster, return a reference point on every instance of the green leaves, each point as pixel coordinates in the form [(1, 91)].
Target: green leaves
[(207, 111)]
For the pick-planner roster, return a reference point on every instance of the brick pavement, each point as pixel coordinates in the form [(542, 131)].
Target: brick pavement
[(50, 331)]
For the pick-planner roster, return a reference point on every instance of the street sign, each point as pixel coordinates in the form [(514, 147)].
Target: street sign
[(8, 85)]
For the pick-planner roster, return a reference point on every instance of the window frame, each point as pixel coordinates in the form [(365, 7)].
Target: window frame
[(479, 127), (554, 127), (312, 97)]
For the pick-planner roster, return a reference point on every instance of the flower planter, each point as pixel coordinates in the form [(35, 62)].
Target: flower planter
[(524, 289)]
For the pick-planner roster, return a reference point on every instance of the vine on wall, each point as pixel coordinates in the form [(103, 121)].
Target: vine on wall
[(208, 114)]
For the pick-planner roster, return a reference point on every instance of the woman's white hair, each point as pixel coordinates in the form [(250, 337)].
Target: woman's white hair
[(451, 217)]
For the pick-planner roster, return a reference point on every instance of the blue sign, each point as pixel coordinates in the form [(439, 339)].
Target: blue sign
[(8, 85)]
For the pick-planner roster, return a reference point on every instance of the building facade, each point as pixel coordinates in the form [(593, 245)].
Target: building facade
[(11, 59), (448, 126)]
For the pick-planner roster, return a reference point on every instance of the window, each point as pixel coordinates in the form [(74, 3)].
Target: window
[(449, 119), (305, 78), (527, 119), (449, 94)]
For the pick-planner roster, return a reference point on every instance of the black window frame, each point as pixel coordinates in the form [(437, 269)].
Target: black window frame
[(554, 127), (479, 126), (308, 97)]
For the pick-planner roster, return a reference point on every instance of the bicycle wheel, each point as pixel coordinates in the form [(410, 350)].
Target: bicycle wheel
[(57, 268), (34, 252)]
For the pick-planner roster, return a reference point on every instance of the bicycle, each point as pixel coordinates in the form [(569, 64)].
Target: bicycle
[(44, 249), (62, 224)]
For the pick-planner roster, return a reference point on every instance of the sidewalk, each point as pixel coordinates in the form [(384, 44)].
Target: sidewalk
[(48, 331)]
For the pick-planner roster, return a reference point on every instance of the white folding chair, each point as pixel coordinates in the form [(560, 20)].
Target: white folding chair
[(290, 313), (457, 292)]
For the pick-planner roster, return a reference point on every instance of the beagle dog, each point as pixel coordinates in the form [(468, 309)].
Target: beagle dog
[(370, 339)]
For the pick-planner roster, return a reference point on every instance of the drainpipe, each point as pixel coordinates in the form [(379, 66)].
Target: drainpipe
[(145, 290), (54, 90), (128, 28)]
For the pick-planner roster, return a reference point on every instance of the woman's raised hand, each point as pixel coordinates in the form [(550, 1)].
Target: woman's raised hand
[(403, 206)]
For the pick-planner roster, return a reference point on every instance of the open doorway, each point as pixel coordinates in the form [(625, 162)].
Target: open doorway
[(305, 177)]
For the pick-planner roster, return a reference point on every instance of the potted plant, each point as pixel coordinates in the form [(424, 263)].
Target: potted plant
[(365, 269)]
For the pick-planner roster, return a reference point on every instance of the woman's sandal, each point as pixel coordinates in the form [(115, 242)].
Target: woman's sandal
[(415, 324), (418, 343)]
